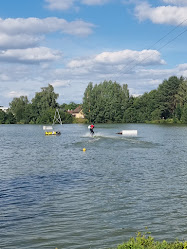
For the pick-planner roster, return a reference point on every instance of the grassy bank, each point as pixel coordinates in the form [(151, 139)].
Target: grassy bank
[(147, 242), (165, 121), (80, 121)]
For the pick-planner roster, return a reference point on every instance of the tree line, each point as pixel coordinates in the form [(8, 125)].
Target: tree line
[(40, 110), (110, 102), (107, 102)]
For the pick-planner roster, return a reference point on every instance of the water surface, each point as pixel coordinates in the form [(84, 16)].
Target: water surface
[(52, 194)]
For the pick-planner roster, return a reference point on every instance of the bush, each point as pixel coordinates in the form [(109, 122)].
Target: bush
[(148, 242)]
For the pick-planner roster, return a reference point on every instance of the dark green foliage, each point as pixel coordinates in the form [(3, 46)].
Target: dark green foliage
[(7, 117), (167, 92), (184, 113), (70, 106), (109, 102), (66, 117), (129, 115), (43, 105), (105, 102), (18, 107), (181, 102), (10, 119), (2, 117), (158, 104)]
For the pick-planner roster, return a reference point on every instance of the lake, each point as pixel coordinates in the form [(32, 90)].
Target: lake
[(53, 194)]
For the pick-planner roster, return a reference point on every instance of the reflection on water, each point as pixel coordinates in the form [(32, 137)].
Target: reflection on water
[(52, 194)]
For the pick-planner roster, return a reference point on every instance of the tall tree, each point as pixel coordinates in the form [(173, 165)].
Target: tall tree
[(43, 103), (105, 102), (18, 107), (181, 95), (166, 96)]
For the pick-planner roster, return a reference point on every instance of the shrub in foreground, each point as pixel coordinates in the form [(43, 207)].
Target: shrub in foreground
[(148, 242)]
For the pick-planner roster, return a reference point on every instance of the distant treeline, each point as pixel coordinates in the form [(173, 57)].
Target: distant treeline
[(110, 102), (40, 110), (107, 102)]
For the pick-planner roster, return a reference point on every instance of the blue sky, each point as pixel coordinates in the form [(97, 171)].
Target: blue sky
[(69, 43)]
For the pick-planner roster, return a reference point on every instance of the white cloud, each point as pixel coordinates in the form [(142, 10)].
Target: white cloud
[(79, 28), (4, 77), (19, 41), (139, 80), (94, 2), (30, 78), (60, 83), (176, 2), (162, 15), (182, 70), (151, 78), (30, 55), (29, 32), (72, 4), (59, 4), (143, 57), (183, 67), (126, 66), (43, 26), (16, 94), (121, 59)]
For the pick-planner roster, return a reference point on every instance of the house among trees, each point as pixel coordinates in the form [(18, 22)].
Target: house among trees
[(77, 113)]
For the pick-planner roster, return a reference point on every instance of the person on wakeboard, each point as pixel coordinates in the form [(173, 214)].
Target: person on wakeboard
[(91, 129)]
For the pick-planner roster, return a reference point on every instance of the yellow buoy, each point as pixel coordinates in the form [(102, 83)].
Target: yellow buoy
[(84, 149)]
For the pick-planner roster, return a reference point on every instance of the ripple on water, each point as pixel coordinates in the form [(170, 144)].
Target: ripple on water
[(52, 194)]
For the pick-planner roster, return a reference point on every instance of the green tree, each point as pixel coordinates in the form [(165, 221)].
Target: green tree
[(10, 119), (167, 96), (130, 113), (157, 104), (70, 106), (7, 117), (66, 117), (18, 107), (43, 105), (181, 95), (105, 102), (184, 114), (2, 117)]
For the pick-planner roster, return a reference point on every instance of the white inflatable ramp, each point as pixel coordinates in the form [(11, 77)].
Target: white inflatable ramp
[(128, 132)]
